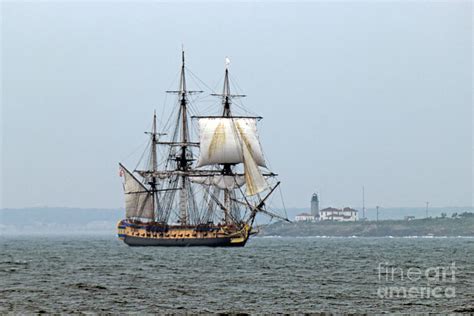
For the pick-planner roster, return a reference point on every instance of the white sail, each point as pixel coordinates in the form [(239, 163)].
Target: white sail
[(138, 200), (222, 138), (254, 179), (221, 181)]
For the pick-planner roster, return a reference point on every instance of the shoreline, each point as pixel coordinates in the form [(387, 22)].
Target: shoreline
[(426, 228)]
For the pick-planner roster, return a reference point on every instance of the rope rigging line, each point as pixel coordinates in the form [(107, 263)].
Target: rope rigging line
[(238, 101), (194, 76), (166, 98), (143, 154), (134, 150)]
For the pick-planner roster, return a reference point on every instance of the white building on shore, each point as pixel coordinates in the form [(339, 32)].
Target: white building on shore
[(304, 217), (345, 214)]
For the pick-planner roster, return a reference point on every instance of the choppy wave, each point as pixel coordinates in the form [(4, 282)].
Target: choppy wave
[(272, 274)]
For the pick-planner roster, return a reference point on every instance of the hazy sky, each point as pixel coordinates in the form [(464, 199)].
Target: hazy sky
[(352, 93)]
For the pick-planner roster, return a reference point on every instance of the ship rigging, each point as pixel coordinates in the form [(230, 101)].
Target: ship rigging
[(222, 180)]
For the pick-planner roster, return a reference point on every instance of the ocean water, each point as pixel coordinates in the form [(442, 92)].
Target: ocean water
[(67, 274)]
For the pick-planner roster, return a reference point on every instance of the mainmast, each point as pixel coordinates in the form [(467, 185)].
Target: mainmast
[(183, 158), (183, 161)]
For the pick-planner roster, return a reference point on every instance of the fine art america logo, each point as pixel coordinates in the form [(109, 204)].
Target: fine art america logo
[(396, 282)]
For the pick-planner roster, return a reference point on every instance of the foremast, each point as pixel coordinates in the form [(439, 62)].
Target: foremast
[(227, 169), (231, 203)]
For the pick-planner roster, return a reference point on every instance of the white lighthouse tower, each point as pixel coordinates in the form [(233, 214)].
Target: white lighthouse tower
[(315, 206)]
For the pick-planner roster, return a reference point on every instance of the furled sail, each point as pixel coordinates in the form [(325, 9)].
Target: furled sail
[(222, 138), (221, 181), (138, 200)]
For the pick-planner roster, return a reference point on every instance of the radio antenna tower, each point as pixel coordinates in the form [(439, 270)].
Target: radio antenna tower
[(363, 202)]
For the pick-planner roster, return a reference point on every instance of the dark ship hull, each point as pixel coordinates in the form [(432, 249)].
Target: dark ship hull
[(188, 242), (141, 235)]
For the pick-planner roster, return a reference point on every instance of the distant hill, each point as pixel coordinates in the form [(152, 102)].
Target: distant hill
[(447, 226), (61, 220), (395, 212)]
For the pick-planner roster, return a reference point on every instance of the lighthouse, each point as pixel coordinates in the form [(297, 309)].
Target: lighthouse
[(315, 206)]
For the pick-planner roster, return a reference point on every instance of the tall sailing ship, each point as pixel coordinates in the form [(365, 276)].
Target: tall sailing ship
[(205, 193)]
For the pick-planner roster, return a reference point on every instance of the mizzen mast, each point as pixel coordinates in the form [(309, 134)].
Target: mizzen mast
[(153, 165)]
